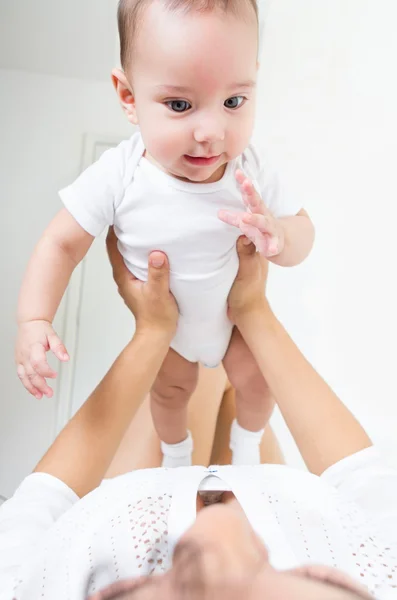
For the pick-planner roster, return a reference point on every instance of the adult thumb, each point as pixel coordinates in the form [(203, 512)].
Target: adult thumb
[(245, 248), (246, 251), (158, 270)]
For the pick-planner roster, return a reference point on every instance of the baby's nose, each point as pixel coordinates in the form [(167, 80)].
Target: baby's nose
[(209, 130)]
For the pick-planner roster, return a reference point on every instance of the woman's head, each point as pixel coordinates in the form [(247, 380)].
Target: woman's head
[(220, 557)]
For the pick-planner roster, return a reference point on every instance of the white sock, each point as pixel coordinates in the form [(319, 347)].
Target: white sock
[(178, 455), (245, 445)]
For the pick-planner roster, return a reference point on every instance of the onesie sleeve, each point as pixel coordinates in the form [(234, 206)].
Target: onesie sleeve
[(96, 193), (277, 197), (366, 479), (37, 504)]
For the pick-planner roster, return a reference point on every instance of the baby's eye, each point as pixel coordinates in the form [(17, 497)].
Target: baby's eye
[(234, 102), (178, 106)]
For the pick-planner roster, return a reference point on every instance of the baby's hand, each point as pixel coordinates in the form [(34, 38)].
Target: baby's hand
[(257, 224), (34, 339)]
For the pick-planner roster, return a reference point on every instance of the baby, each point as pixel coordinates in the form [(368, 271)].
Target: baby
[(187, 184)]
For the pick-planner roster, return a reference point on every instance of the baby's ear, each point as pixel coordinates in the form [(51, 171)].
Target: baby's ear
[(125, 94)]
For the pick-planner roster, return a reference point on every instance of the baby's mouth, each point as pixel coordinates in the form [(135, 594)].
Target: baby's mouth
[(202, 161)]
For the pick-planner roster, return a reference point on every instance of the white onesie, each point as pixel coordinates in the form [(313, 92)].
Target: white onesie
[(151, 210)]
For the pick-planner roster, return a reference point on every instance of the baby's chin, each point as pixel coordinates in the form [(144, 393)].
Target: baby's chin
[(205, 176)]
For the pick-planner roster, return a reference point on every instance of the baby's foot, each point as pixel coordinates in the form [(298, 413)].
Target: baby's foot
[(178, 455)]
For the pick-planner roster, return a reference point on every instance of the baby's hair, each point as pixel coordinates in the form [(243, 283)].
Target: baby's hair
[(130, 12)]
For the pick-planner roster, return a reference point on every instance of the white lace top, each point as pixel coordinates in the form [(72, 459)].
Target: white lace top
[(53, 545)]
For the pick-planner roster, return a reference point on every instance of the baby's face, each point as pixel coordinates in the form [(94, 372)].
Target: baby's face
[(193, 79)]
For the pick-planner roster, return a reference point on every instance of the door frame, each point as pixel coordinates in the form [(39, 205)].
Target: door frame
[(73, 298)]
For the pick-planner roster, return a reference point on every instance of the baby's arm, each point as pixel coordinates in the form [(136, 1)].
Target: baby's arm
[(62, 246), (285, 241), (297, 233)]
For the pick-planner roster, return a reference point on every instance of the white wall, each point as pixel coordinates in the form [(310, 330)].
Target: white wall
[(76, 38), (42, 122), (327, 112)]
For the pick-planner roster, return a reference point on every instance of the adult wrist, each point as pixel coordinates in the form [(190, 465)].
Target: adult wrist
[(155, 333), (250, 316)]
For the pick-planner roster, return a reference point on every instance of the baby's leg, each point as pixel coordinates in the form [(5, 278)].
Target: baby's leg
[(170, 395), (270, 451), (254, 403), (140, 448)]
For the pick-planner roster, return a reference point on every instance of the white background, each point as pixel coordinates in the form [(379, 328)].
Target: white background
[(326, 111)]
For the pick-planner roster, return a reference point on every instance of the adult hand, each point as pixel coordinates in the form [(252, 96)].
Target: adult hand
[(248, 292), (151, 302)]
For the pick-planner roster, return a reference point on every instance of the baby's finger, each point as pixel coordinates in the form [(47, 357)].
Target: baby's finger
[(260, 240), (250, 232), (230, 218), (251, 198), (39, 362), (246, 186), (57, 347), (263, 223), (38, 381), (272, 247), (27, 383), (267, 238), (240, 176)]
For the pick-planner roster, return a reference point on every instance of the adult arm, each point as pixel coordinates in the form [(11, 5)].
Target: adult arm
[(83, 451), (323, 428), (77, 461)]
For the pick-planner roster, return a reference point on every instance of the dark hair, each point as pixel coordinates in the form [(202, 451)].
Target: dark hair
[(130, 14)]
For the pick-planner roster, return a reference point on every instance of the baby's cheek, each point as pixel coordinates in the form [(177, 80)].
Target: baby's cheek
[(158, 146), (238, 139), (169, 135), (161, 137)]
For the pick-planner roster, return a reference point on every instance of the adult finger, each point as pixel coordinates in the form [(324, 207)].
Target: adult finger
[(159, 272), (39, 362), (246, 253), (249, 259), (120, 270), (115, 257), (111, 244), (27, 383)]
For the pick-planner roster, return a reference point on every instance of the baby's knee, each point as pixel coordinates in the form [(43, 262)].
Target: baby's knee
[(173, 388), (242, 370), (251, 384), (253, 394)]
